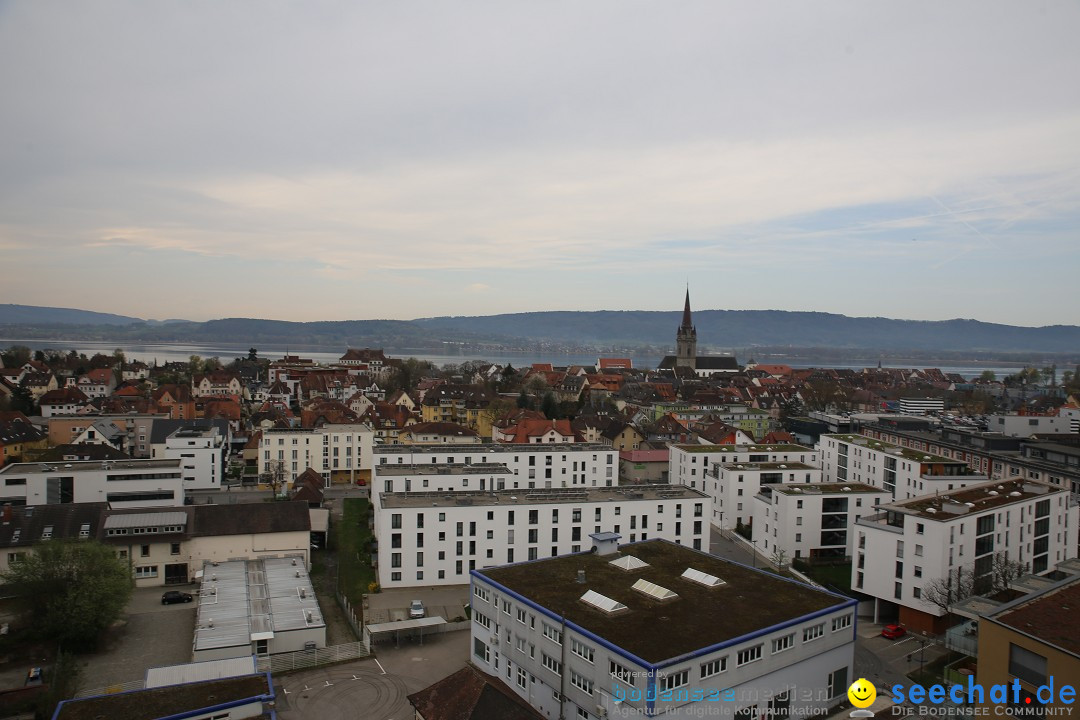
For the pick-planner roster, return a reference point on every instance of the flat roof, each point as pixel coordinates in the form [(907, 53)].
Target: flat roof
[(539, 496), (893, 449), (200, 671), (166, 701), (784, 447), (131, 520), (748, 601), (770, 466), (245, 600), (472, 449), (411, 624), (443, 469), (824, 488), (1050, 617), (73, 466), (974, 499)]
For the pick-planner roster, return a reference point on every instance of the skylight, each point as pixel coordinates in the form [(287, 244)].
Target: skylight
[(629, 562), (653, 590), (702, 578), (602, 602)]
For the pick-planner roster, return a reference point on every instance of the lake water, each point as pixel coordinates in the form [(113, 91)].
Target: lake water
[(162, 353)]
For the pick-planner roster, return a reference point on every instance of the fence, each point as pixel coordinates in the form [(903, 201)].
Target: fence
[(350, 616), (285, 662)]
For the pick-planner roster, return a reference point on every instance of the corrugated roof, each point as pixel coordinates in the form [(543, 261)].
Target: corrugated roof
[(145, 519), (199, 671)]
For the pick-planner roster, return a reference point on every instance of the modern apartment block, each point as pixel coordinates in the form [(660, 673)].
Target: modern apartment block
[(912, 546), (903, 472), (341, 453), (529, 466), (638, 632), (1028, 425), (201, 452), (437, 538), (691, 463), (921, 406), (812, 522), (121, 483)]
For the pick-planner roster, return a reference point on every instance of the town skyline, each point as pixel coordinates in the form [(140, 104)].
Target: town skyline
[(355, 161)]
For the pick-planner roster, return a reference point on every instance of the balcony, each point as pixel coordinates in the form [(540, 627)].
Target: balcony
[(963, 638), (879, 521)]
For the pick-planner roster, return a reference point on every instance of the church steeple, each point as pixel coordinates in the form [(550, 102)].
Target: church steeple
[(686, 338)]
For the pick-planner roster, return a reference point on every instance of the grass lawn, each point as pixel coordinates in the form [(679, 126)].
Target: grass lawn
[(354, 551)]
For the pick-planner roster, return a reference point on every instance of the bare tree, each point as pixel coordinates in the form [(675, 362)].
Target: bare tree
[(1005, 571), (779, 559), (949, 590), (274, 476)]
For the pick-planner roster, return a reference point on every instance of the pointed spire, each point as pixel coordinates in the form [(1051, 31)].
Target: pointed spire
[(686, 322)]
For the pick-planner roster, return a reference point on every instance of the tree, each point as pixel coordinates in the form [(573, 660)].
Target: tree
[(779, 559), (1005, 571), (949, 590), (550, 406), (988, 376), (64, 683), (274, 476), (16, 356), (253, 355), (72, 589)]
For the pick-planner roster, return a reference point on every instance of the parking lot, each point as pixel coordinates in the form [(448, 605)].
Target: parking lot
[(152, 634), (448, 602)]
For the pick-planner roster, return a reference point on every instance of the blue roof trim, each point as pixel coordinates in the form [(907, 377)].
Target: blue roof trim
[(265, 697)]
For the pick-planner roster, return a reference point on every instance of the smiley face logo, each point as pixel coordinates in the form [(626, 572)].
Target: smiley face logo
[(862, 693)]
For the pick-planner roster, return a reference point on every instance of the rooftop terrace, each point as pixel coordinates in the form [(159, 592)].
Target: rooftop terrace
[(897, 450), (973, 499)]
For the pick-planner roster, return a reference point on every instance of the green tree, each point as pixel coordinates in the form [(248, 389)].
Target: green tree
[(988, 376), (73, 590), (550, 406), (64, 682), (16, 355), (253, 354)]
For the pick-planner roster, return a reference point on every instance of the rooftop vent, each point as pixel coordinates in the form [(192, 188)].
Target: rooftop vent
[(629, 562), (581, 577)]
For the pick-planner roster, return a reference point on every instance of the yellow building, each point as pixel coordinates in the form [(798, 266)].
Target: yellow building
[(1034, 640)]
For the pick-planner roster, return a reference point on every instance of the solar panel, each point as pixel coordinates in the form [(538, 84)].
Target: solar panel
[(629, 562), (602, 602), (653, 590), (702, 578)]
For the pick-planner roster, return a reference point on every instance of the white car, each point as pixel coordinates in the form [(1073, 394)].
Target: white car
[(416, 609)]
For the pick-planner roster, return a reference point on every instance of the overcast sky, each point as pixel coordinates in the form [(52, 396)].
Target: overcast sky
[(354, 160)]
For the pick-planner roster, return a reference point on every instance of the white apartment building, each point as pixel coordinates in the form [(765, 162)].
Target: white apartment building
[(921, 406), (732, 474), (201, 452), (434, 538), (638, 633), (911, 543), (902, 471), (339, 452), (1028, 425), (530, 466), (812, 522), (121, 483)]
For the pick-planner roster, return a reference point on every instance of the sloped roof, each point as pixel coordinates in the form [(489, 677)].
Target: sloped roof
[(470, 694)]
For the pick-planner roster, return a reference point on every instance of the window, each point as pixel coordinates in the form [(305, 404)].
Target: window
[(620, 673), (481, 650), (395, 521), (675, 680), (582, 650), (506, 607), (781, 644), (1027, 665), (813, 632), (552, 634), (521, 616), (838, 683), (482, 620), (521, 678), (174, 548), (713, 667), (482, 593), (581, 682), (839, 623), (144, 550), (552, 664), (748, 655), (146, 571)]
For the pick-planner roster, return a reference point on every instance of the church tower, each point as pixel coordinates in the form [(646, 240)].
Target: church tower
[(686, 339)]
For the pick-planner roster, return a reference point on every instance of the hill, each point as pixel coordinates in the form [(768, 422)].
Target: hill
[(32, 314)]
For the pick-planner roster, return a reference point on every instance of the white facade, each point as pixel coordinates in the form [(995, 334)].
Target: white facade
[(921, 406), (797, 667), (201, 452), (715, 470), (812, 521), (911, 543), (1028, 425), (530, 466), (331, 450), (121, 483), (903, 472), (436, 539)]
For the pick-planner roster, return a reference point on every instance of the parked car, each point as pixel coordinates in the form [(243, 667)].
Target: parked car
[(893, 631), (416, 609), (33, 677), (175, 596)]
